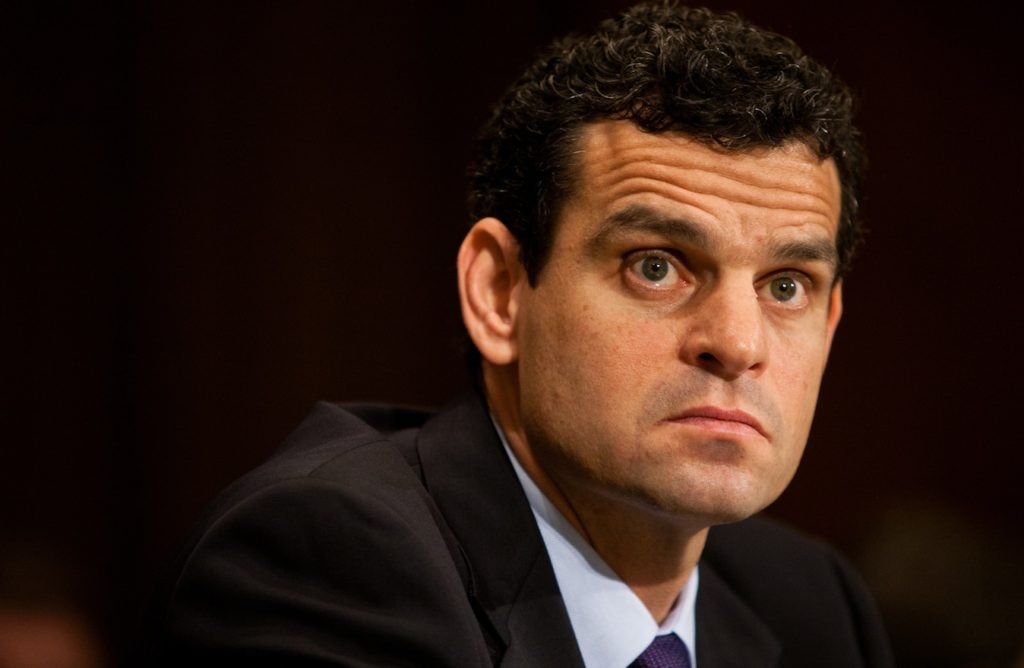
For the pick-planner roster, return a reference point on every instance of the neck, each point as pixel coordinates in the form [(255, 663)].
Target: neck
[(652, 552)]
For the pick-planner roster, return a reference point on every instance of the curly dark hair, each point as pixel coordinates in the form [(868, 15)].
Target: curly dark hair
[(714, 77)]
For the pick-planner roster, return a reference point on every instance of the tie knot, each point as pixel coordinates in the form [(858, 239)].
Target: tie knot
[(667, 651)]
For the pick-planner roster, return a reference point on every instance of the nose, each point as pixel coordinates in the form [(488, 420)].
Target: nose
[(724, 331)]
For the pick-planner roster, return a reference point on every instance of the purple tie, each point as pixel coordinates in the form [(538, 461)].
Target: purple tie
[(666, 651)]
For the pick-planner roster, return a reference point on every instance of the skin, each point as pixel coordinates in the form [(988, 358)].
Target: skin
[(661, 375)]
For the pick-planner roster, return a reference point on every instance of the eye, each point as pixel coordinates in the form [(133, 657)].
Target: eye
[(654, 269), (784, 288), (787, 290)]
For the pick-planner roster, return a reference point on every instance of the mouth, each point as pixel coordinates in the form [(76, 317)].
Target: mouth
[(723, 420)]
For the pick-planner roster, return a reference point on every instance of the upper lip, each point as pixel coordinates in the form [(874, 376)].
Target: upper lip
[(726, 414)]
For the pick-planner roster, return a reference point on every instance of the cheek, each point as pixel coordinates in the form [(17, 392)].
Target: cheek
[(590, 364), (797, 379), (616, 359)]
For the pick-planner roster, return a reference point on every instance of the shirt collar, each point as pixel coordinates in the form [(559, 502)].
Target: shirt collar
[(612, 625)]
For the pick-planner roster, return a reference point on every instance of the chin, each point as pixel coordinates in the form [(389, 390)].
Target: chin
[(701, 515), (709, 503)]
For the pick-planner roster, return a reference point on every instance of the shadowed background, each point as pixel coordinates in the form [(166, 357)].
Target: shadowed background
[(217, 214)]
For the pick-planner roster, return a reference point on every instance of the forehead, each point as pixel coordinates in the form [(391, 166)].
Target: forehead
[(751, 191)]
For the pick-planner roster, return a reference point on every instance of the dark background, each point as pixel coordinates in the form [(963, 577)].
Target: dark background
[(215, 214)]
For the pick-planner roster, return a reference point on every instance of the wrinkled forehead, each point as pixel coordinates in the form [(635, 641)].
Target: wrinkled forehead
[(604, 153), (741, 202), (608, 151)]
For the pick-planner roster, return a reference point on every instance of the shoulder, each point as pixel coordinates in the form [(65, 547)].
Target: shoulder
[(345, 454), (308, 556), (807, 594), (759, 546)]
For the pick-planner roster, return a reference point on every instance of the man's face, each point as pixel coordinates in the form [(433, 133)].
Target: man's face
[(671, 352)]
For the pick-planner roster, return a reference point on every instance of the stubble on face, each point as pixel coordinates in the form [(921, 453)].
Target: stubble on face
[(649, 463), (603, 371)]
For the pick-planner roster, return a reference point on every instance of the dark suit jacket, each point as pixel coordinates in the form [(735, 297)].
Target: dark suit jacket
[(411, 543)]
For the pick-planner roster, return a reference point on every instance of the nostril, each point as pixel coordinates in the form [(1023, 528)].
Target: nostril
[(706, 357)]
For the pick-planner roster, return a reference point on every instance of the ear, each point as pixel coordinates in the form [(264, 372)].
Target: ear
[(835, 311), (491, 279)]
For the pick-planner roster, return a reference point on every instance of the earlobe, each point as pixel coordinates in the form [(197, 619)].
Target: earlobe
[(490, 279)]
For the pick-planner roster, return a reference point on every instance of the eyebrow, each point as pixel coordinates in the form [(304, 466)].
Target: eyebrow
[(638, 218), (806, 250)]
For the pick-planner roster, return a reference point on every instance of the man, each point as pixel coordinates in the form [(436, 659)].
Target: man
[(664, 210)]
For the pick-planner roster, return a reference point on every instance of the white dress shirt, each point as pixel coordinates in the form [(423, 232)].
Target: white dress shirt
[(612, 625)]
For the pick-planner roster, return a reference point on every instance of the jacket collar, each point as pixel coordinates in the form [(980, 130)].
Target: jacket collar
[(468, 474), (729, 633)]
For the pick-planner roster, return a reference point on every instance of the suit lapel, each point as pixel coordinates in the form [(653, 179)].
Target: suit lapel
[(729, 633), (470, 478)]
